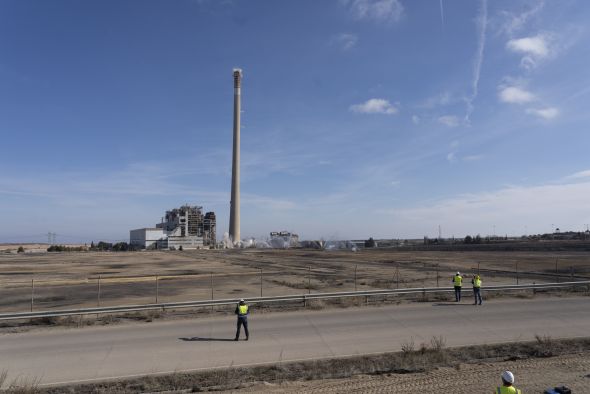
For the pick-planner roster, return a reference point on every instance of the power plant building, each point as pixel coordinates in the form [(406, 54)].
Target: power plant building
[(185, 227)]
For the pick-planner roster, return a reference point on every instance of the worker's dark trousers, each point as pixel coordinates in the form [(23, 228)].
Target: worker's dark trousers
[(242, 320), (457, 293), (477, 294)]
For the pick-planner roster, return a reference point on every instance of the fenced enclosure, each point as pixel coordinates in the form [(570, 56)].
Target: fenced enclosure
[(264, 281)]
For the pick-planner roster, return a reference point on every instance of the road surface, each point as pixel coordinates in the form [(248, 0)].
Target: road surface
[(97, 353)]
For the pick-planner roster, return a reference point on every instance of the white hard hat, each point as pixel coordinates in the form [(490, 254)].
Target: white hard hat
[(242, 300), (458, 273), (508, 377)]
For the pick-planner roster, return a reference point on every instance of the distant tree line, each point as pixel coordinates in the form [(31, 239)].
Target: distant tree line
[(100, 246), (63, 248), (116, 247)]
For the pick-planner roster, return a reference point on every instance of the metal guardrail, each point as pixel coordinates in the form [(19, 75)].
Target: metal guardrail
[(257, 300)]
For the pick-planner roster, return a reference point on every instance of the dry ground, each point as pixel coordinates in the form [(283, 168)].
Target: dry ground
[(71, 279), (533, 376)]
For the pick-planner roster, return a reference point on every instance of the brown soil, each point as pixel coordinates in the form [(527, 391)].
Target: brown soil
[(532, 376), (71, 280)]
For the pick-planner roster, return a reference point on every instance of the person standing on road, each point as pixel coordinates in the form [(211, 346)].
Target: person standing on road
[(507, 384), (476, 288), (457, 283), (242, 311)]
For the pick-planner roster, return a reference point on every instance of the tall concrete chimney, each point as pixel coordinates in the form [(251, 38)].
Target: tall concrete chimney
[(234, 212)]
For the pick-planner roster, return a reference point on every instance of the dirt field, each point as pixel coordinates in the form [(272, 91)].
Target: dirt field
[(70, 280), (532, 376)]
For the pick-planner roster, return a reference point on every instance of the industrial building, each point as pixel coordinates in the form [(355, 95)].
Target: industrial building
[(181, 228)]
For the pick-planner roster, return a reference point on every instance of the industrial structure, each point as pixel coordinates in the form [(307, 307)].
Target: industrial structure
[(234, 212), (181, 228)]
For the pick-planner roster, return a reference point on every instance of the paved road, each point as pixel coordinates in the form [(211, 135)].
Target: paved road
[(94, 353)]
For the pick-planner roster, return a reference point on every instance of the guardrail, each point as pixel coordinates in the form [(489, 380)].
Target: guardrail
[(257, 300)]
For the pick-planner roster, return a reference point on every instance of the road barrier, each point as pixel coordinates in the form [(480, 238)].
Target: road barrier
[(304, 298)]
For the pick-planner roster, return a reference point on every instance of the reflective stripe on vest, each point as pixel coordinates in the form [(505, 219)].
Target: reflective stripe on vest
[(242, 309), (477, 282), (458, 280)]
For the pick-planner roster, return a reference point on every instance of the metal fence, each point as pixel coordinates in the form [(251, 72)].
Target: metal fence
[(112, 291), (304, 298)]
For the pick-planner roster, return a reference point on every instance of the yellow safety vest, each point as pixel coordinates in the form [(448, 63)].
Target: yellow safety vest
[(507, 390), (242, 309), (476, 282), (458, 280)]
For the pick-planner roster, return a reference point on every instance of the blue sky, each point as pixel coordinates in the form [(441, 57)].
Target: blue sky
[(383, 118)]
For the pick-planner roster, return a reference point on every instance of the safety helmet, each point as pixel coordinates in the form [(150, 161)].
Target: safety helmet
[(508, 377), (458, 273), (242, 300)]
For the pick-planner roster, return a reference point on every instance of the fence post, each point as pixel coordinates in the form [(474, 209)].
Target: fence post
[(211, 288), (517, 272), (157, 289), (98, 292), (309, 279), (397, 274), (260, 282), (32, 293), (572, 272), (556, 275), (355, 267)]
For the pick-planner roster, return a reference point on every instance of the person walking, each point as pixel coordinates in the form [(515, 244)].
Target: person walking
[(457, 283), (507, 384), (476, 288), (242, 311)]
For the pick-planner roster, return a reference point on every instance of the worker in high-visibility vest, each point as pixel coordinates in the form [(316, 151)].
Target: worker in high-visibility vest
[(457, 283), (476, 288), (242, 311), (507, 384)]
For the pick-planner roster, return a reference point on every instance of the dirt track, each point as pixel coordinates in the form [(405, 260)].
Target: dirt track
[(533, 376)]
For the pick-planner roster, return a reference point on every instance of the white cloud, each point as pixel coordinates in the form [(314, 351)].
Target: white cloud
[(536, 46), (533, 49), (441, 100), (449, 120), (580, 174), (415, 119), (395, 183), (515, 22), (509, 209), (515, 95), (374, 106), (345, 41), (378, 10), (451, 157), (545, 113)]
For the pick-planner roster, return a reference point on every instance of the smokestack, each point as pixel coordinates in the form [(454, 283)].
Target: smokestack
[(234, 212)]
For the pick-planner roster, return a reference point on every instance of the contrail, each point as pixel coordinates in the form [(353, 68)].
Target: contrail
[(482, 22), (442, 15)]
